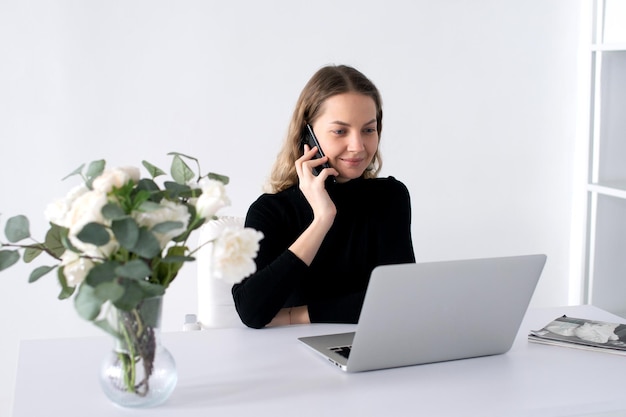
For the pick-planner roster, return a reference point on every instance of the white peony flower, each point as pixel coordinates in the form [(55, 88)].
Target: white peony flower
[(75, 268), (57, 212), (168, 211), (115, 177), (234, 252), (87, 208), (213, 198)]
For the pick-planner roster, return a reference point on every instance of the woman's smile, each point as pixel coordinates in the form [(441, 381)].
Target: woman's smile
[(352, 162)]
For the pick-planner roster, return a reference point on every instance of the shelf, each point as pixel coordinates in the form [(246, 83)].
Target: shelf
[(613, 189), (609, 47), (605, 260)]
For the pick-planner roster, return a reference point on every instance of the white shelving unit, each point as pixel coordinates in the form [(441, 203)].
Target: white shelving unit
[(606, 184)]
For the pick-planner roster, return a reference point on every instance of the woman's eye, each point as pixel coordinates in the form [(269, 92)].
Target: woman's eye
[(339, 132), (369, 130)]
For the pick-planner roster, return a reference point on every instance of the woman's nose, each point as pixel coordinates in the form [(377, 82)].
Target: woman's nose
[(355, 142)]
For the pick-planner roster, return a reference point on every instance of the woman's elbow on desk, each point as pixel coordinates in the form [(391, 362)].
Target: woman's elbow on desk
[(250, 319)]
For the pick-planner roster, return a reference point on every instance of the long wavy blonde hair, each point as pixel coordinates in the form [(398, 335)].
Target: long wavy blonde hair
[(326, 82)]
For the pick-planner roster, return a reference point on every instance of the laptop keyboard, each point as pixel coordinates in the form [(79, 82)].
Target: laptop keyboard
[(342, 350)]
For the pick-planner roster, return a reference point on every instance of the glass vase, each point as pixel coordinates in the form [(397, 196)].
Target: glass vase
[(139, 371)]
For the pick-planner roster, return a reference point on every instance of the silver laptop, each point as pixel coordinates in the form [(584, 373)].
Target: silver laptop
[(432, 312)]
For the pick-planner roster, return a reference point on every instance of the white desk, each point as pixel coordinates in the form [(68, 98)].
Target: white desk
[(245, 372)]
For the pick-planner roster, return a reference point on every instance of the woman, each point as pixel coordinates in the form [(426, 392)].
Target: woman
[(323, 238)]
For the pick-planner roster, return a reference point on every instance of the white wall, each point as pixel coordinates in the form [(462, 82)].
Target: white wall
[(480, 108)]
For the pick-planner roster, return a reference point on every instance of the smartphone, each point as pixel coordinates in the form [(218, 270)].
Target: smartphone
[(310, 139)]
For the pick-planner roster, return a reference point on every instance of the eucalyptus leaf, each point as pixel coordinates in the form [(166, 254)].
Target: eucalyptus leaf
[(101, 272), (152, 170), (150, 289), (182, 237), (132, 295), (221, 178), (168, 226), (31, 253), (135, 269), (94, 233), (151, 311), (66, 290), (77, 171), (183, 155), (65, 240), (147, 244), (148, 206), (175, 189), (176, 251), (112, 211), (94, 170), (17, 228), (181, 173), (126, 232), (140, 196), (177, 259), (8, 258), (192, 212), (111, 291), (165, 272), (147, 184), (87, 302), (191, 227), (167, 269), (54, 239), (39, 272)]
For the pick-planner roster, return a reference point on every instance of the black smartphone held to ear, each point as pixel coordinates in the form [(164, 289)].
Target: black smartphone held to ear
[(310, 139)]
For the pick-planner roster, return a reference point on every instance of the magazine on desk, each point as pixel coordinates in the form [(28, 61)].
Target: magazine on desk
[(583, 334)]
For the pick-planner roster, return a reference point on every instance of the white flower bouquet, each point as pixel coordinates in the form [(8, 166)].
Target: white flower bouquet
[(119, 239)]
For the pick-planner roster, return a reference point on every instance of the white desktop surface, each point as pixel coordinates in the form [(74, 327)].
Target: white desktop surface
[(246, 372)]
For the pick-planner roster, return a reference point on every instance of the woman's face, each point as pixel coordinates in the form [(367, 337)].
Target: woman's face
[(347, 131)]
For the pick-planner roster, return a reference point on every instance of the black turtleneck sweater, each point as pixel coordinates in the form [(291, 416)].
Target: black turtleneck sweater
[(372, 227)]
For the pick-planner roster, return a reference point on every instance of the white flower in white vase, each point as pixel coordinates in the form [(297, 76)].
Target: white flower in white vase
[(167, 211), (213, 198), (115, 177), (234, 252)]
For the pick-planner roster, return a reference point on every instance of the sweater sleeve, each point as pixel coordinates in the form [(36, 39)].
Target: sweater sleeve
[(259, 297)]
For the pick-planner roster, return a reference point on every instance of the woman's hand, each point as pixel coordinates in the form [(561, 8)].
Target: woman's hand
[(324, 210), (313, 187)]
